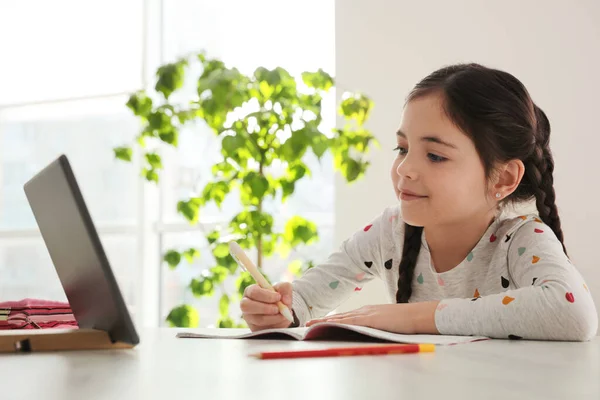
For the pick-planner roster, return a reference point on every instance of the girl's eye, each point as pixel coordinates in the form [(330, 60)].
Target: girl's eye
[(401, 150), (436, 158)]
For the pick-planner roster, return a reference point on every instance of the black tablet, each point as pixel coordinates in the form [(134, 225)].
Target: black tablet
[(77, 253)]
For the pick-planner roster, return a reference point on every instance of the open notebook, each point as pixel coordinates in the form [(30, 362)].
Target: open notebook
[(329, 331)]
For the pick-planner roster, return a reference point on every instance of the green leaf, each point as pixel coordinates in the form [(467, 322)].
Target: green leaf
[(266, 90), (210, 65), (297, 171), (319, 80), (221, 90), (358, 140), (295, 146), (258, 223), (228, 262), (140, 104), (202, 287), (215, 191), (154, 160), (299, 230), (173, 258), (141, 139), (147, 132), (312, 102), (190, 254), (170, 78), (219, 273), (231, 144), (256, 184), (221, 250), (186, 115), (273, 186), (123, 153), (274, 85), (224, 305), (159, 121), (183, 316), (287, 188), (242, 282), (223, 169), (262, 223), (362, 139), (213, 237), (190, 209), (356, 106), (226, 322), (150, 175), (320, 144), (352, 169), (171, 137)]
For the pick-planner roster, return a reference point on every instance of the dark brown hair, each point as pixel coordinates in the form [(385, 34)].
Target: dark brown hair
[(495, 110)]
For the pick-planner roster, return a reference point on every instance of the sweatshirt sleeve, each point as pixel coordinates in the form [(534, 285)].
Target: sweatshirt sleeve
[(551, 300), (357, 261)]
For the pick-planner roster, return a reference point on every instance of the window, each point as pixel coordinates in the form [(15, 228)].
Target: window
[(31, 137), (64, 92), (69, 49)]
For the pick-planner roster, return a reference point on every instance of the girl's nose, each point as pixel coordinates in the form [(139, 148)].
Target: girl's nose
[(406, 169)]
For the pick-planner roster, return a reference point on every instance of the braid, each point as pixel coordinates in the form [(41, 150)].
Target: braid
[(410, 252), (539, 170)]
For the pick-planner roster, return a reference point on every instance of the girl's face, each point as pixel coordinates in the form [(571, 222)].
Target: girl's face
[(438, 175)]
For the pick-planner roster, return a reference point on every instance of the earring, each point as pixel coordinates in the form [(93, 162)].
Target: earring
[(498, 195)]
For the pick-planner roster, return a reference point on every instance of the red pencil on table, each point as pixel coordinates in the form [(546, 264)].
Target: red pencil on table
[(348, 351)]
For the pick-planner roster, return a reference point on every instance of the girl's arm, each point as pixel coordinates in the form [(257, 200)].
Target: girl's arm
[(356, 262)]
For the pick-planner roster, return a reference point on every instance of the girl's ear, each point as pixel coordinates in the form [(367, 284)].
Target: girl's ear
[(507, 178)]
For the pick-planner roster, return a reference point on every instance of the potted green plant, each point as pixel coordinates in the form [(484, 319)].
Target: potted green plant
[(259, 119)]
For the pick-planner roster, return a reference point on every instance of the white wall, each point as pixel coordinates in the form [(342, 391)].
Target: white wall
[(384, 47)]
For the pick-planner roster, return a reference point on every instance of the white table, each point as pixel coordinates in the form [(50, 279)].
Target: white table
[(164, 367)]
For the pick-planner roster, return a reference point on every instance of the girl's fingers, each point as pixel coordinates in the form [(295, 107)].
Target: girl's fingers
[(316, 321), (346, 318), (249, 306), (330, 318), (257, 293), (286, 291)]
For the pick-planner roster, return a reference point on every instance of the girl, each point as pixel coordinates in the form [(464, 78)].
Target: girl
[(470, 143)]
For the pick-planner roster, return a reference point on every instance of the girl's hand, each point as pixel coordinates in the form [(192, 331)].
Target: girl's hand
[(259, 307), (406, 318)]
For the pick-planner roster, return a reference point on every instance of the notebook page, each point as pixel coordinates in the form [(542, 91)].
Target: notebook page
[(329, 331), (231, 333)]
